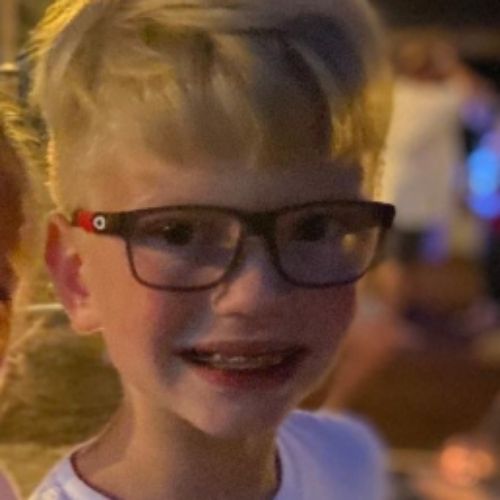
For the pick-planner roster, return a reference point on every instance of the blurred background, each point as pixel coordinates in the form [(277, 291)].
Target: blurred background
[(422, 360)]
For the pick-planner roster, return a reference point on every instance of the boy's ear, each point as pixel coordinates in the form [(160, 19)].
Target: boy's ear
[(65, 266)]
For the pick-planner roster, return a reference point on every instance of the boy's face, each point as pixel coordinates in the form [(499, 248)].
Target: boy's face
[(250, 320)]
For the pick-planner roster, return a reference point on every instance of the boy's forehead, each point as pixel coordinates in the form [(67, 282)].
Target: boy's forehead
[(132, 178)]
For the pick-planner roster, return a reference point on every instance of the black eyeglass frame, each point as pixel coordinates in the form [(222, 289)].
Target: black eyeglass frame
[(260, 223)]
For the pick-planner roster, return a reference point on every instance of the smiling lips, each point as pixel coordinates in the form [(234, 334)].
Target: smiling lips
[(244, 358), (240, 362)]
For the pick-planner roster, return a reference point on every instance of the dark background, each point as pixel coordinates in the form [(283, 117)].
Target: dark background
[(452, 13)]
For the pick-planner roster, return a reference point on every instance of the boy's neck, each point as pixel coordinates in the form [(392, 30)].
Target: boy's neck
[(149, 461)]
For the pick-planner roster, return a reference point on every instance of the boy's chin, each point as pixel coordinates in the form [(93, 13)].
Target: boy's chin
[(227, 417), (239, 426)]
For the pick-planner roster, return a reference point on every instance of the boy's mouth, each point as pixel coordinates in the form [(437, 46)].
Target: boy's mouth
[(253, 366), (240, 362), (244, 358)]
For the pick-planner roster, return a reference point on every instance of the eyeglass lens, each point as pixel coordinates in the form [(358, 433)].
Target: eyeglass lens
[(184, 248), (196, 247), (326, 244)]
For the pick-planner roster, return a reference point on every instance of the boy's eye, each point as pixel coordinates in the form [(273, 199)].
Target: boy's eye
[(184, 230), (195, 229), (172, 232), (316, 227), (177, 232), (312, 228)]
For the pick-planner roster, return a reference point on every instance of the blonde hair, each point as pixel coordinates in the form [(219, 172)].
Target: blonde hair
[(268, 82), (20, 201), (20, 167)]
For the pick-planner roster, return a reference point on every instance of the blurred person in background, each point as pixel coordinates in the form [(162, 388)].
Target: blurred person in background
[(424, 147), (428, 276), (17, 234)]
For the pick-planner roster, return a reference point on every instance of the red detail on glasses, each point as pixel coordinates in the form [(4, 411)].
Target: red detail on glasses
[(85, 220)]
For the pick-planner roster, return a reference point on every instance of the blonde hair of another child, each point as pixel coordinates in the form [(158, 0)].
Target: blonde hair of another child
[(20, 171), (20, 164)]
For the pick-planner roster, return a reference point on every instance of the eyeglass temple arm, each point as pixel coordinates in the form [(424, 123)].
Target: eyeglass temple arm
[(97, 222)]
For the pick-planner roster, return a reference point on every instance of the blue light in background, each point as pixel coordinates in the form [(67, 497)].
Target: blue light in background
[(484, 182), (487, 207), (483, 172)]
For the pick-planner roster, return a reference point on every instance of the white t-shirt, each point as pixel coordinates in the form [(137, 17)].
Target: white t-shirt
[(323, 457)]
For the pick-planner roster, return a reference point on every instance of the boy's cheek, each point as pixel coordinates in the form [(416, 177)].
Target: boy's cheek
[(151, 320), (332, 313), (336, 317), (128, 308), (338, 312)]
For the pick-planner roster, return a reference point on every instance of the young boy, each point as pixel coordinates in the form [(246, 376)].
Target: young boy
[(212, 162)]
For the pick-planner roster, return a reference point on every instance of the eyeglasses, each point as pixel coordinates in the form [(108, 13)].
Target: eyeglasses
[(195, 247)]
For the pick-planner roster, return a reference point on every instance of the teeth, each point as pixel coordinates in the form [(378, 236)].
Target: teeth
[(217, 360)]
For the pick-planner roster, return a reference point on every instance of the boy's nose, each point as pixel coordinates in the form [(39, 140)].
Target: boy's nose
[(253, 285)]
